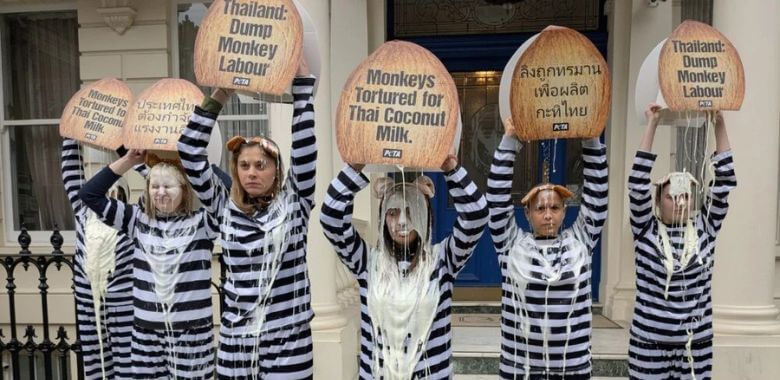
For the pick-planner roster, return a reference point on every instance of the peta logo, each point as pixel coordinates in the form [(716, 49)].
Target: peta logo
[(91, 136), (705, 103), (560, 127), (239, 81), (160, 141), (392, 153)]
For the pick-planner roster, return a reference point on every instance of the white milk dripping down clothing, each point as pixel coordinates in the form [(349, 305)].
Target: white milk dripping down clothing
[(403, 292), (172, 279), (671, 331), (395, 290), (102, 278), (546, 289), (264, 330)]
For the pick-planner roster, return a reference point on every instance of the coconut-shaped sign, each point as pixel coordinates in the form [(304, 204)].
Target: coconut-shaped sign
[(95, 114), (159, 114), (560, 87), (399, 107), (699, 69), (250, 45)]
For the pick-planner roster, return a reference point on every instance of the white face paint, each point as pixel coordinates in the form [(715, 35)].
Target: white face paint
[(166, 188)]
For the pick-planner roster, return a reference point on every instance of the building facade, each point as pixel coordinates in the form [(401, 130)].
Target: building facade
[(50, 48)]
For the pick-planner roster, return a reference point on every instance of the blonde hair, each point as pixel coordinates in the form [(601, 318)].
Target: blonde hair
[(185, 207), (237, 193)]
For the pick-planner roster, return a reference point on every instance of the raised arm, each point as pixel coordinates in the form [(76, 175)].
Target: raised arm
[(716, 205), (304, 143), (112, 212), (472, 216), (210, 189), (639, 196), (593, 209), (336, 219), (72, 166), (503, 228)]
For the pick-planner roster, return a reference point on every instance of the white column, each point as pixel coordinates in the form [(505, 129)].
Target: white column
[(335, 337), (746, 320), (635, 29)]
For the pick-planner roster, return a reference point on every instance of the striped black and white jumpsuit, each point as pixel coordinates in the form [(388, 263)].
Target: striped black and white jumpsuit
[(117, 310), (546, 311), (455, 250), (262, 337), (665, 321), (172, 335)]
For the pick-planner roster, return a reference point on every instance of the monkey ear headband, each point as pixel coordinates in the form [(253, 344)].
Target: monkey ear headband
[(268, 146), (562, 192)]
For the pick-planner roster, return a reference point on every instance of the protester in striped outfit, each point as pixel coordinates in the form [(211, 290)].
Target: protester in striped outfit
[(406, 283), (546, 289), (671, 333), (172, 335), (263, 219), (112, 287)]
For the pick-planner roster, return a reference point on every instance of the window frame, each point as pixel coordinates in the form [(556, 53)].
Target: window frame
[(39, 239), (173, 25)]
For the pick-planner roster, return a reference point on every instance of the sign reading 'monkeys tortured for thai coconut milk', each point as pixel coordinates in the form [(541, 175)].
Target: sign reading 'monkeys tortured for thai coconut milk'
[(95, 114), (560, 87), (249, 45), (699, 69), (399, 107), (159, 115)]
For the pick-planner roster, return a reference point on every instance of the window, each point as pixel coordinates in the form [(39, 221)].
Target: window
[(40, 72), (241, 116)]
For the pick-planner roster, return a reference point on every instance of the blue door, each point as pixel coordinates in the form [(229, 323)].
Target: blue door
[(475, 62)]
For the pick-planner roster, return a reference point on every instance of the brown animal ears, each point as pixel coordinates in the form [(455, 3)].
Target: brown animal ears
[(563, 192), (383, 186), (152, 159), (268, 146)]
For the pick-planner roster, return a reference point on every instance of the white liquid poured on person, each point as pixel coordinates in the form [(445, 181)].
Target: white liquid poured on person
[(402, 297)]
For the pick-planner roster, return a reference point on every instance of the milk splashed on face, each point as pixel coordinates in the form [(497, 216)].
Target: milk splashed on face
[(402, 295), (100, 260)]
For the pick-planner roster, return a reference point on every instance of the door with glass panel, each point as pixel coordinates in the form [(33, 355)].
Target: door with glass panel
[(474, 40)]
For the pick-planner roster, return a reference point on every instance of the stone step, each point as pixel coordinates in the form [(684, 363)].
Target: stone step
[(493, 377), (476, 350)]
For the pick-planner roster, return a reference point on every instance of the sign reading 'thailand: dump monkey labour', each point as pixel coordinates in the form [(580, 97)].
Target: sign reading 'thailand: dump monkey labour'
[(699, 69), (249, 45)]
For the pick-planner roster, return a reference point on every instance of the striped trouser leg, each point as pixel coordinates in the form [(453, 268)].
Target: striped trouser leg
[(179, 354), (119, 323), (651, 361), (280, 354), (95, 364)]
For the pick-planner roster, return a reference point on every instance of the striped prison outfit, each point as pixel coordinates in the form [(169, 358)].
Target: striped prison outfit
[(546, 312), (262, 335), (172, 335), (455, 250), (117, 310), (664, 324)]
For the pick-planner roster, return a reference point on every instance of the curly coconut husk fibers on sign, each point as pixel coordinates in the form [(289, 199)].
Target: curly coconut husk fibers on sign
[(693, 58), (417, 144), (239, 35), (95, 114), (159, 115), (561, 87)]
